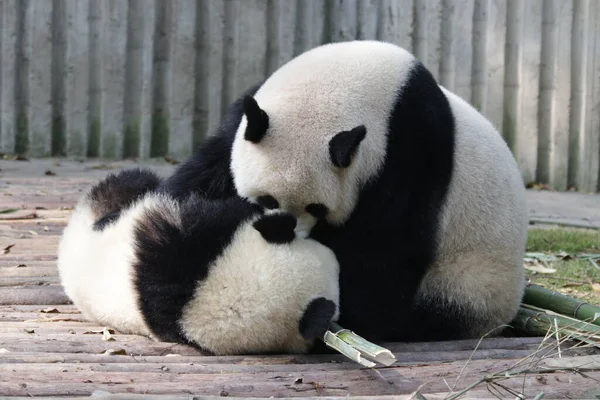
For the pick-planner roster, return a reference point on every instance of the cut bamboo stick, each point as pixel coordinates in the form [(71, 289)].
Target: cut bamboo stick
[(356, 347), (539, 296)]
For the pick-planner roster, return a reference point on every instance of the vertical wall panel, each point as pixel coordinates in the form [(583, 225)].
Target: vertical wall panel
[(434, 36), (182, 78), (114, 26), (39, 51), (480, 62), (246, 46), (396, 22), (76, 77), (368, 14), (209, 66), (8, 57), (555, 77), (96, 73), (493, 104), (463, 54), (343, 20), (579, 79), (281, 20), (589, 160), (145, 107)]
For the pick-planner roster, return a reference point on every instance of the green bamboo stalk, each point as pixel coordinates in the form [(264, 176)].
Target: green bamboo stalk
[(537, 322), (541, 297)]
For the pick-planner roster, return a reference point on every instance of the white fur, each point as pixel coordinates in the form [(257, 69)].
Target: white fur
[(261, 289), (309, 100), (95, 268), (484, 223)]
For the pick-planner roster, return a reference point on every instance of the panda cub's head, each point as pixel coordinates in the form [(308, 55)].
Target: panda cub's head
[(225, 277)]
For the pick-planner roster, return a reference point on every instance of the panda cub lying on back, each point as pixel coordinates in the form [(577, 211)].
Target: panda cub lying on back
[(216, 274)]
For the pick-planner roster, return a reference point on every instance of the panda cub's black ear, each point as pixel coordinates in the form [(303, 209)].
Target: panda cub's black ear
[(316, 318), (276, 228), (258, 120), (344, 145)]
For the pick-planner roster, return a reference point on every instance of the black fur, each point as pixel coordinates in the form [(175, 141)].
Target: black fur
[(316, 318), (117, 191), (344, 145), (391, 238), (258, 120), (171, 260), (207, 170), (268, 202), (317, 210), (276, 228), (397, 216)]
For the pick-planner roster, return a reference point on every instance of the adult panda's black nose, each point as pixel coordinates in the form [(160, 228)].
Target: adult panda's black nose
[(276, 228)]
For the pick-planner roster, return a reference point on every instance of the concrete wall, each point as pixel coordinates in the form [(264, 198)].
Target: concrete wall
[(140, 78)]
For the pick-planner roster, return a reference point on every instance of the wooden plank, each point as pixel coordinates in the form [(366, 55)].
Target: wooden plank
[(182, 78), (8, 59), (555, 92), (388, 381), (76, 77), (114, 39), (33, 295)]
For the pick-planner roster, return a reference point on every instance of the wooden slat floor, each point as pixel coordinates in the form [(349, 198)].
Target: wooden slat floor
[(46, 348)]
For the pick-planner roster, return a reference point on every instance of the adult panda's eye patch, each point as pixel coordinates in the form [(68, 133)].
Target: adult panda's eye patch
[(268, 202), (317, 210)]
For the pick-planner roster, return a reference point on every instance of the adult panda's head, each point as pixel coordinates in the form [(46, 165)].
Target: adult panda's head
[(315, 132)]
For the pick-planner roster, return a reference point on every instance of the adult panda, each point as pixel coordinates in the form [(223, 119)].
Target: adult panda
[(414, 190), (217, 274)]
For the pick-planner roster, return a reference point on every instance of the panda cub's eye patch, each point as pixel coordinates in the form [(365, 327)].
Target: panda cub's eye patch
[(317, 210), (268, 202)]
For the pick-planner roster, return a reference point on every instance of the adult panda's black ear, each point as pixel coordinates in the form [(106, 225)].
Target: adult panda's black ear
[(344, 145), (316, 318), (258, 120), (276, 228)]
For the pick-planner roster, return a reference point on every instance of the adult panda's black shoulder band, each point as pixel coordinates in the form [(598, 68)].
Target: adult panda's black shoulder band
[(276, 228), (258, 120)]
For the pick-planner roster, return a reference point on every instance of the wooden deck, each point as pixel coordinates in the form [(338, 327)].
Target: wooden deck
[(47, 349)]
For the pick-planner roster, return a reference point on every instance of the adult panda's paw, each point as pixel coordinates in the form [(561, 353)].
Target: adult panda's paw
[(317, 318), (276, 228)]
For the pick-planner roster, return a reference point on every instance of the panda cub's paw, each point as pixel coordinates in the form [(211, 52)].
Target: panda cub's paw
[(316, 318), (276, 228)]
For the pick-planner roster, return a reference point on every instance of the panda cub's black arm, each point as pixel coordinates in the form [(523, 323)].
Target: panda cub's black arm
[(276, 228)]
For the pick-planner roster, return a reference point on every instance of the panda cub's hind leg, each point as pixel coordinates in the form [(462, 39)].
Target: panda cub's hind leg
[(467, 296)]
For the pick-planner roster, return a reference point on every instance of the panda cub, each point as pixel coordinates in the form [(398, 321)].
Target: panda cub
[(217, 274), (414, 190)]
